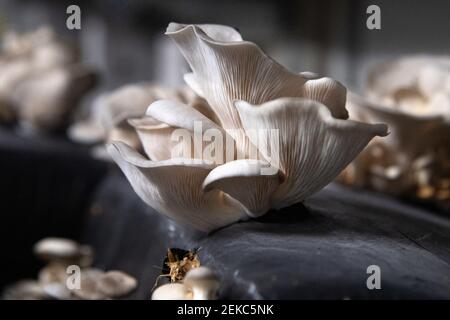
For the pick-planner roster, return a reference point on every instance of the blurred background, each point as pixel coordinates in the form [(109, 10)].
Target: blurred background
[(124, 40)]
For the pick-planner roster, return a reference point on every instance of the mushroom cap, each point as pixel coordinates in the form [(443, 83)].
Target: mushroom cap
[(56, 248), (200, 274), (116, 284), (203, 282), (172, 291)]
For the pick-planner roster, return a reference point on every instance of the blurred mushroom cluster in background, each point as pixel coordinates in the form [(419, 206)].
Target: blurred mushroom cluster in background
[(41, 80), (412, 95), (115, 116), (63, 258)]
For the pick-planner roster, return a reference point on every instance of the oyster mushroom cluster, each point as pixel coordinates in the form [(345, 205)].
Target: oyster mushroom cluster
[(112, 113), (62, 254), (411, 95), (41, 80), (267, 138)]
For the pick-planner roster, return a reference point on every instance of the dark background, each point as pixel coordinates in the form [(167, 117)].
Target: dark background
[(125, 42)]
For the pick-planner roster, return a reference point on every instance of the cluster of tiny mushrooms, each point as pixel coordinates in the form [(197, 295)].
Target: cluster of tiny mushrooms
[(234, 88), (51, 283), (412, 95), (188, 280)]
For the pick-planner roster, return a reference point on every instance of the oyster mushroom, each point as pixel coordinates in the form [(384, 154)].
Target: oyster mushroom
[(89, 282), (43, 101), (55, 272), (51, 249), (41, 79), (203, 282), (172, 291), (246, 92), (412, 95), (116, 284), (53, 278)]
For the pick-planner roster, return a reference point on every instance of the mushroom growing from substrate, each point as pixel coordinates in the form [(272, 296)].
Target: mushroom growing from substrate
[(412, 95), (199, 284), (61, 253), (246, 91)]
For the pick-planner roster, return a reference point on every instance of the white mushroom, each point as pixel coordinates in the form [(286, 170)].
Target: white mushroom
[(172, 291), (109, 114), (64, 252), (246, 91), (412, 95), (56, 249), (116, 284), (203, 282)]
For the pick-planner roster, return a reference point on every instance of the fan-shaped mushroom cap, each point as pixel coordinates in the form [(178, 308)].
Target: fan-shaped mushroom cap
[(246, 91)]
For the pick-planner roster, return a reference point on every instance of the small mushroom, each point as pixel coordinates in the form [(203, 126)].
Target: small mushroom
[(57, 291), (54, 272), (203, 282), (51, 249), (53, 278), (116, 284), (89, 285), (64, 251), (172, 291)]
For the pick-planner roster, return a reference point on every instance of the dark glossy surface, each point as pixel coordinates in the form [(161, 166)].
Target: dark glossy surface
[(319, 250)]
